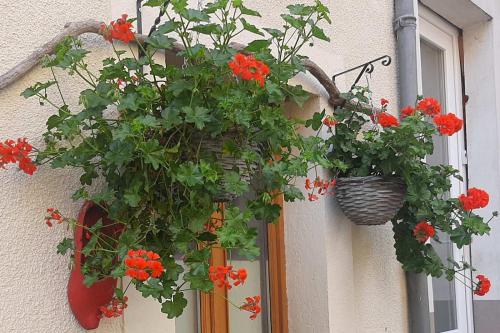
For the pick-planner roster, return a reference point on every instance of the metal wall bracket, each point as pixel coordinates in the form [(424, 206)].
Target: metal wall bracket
[(366, 68)]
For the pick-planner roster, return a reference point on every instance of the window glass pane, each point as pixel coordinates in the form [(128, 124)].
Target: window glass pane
[(143, 315), (443, 291), (256, 284)]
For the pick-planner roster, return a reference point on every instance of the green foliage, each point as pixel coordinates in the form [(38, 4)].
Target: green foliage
[(145, 135)]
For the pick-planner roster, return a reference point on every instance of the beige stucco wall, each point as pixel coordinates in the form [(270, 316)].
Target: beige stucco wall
[(341, 278), (33, 277)]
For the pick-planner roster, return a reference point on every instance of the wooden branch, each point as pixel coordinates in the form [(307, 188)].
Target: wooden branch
[(70, 29), (75, 29)]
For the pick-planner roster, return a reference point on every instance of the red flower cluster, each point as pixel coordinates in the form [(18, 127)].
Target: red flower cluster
[(483, 286), (407, 111), (448, 124), (12, 152), (213, 225), (120, 30), (429, 106), (330, 121), (53, 215), (322, 185), (142, 264), (387, 120), (252, 305), (219, 275), (248, 68), (474, 199), (114, 308), (423, 231), (384, 102)]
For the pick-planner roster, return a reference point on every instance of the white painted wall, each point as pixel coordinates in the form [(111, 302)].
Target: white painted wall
[(341, 278)]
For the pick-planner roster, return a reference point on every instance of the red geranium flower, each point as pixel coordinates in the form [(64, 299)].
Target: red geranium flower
[(53, 215), (142, 264), (220, 275), (114, 308), (252, 305), (330, 121), (448, 124), (387, 120), (407, 111), (240, 276), (12, 152), (423, 231), (248, 68), (384, 102), (429, 106), (120, 30), (312, 197), (474, 199), (483, 286)]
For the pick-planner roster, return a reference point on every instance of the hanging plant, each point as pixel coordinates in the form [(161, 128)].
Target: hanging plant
[(172, 142), (381, 159)]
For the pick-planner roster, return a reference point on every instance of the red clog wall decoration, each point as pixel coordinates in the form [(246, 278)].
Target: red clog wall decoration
[(85, 301)]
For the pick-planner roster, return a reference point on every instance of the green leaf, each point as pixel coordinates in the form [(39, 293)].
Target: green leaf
[(247, 11), (172, 117), (154, 3), (189, 174), (167, 27), (195, 15), (160, 41), (258, 45), (89, 280), (36, 88), (198, 116), (153, 153), (250, 27), (174, 308), (129, 102), (234, 184), (179, 86), (316, 121), (90, 247), (103, 196), (65, 245), (292, 21), (119, 153), (298, 95), (319, 33), (179, 5), (300, 9), (274, 32), (207, 29)]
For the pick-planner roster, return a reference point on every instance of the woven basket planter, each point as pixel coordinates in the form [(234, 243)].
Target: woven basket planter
[(215, 147), (371, 200)]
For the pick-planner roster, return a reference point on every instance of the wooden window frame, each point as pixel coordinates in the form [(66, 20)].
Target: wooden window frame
[(214, 306)]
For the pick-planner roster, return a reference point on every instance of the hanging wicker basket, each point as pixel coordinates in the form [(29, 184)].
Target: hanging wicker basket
[(215, 147), (371, 200)]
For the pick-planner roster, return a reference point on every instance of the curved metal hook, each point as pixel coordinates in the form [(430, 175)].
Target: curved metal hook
[(386, 60), (366, 68)]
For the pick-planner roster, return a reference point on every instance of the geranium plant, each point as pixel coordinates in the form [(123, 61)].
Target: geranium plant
[(367, 141), (161, 136)]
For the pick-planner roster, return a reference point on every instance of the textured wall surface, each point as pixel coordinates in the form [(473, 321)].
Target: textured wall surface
[(33, 278), (341, 278)]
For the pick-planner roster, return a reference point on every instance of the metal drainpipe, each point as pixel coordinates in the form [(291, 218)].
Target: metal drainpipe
[(405, 27)]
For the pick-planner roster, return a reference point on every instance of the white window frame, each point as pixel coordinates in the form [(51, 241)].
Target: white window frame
[(440, 33)]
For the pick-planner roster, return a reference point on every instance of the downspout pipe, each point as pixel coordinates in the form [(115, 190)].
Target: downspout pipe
[(405, 28)]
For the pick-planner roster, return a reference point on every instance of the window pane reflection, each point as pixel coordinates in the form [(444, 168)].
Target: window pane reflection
[(443, 291), (256, 284)]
